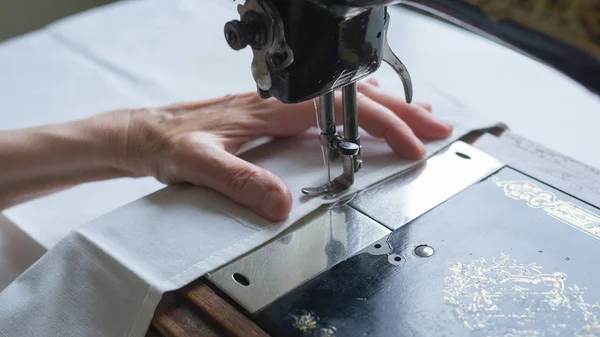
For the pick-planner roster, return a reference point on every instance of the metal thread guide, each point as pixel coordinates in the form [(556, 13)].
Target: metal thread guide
[(346, 147)]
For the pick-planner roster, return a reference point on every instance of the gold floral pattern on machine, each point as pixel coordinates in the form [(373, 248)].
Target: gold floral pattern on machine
[(511, 299), (564, 211)]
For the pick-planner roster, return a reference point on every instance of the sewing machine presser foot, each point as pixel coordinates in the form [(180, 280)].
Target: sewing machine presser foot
[(346, 147)]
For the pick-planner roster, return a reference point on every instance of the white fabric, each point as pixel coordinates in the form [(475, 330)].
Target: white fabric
[(106, 278), (151, 52), (17, 252)]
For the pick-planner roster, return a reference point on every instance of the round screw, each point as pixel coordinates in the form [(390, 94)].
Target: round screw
[(251, 31), (348, 149), (236, 34), (424, 251)]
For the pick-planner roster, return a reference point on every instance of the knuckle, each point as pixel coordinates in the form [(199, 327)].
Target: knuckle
[(240, 180), (392, 128), (413, 109), (385, 130)]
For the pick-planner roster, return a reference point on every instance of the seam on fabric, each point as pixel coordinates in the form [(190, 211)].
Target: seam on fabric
[(109, 256), (137, 317), (222, 251), (240, 242), (240, 221)]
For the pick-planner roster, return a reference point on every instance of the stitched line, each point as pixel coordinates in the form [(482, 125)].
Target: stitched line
[(224, 250), (240, 221), (137, 317)]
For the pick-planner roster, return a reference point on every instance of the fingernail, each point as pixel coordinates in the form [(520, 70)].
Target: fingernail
[(270, 202)]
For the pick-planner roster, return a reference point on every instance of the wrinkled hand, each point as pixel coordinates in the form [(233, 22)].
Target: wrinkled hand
[(195, 142)]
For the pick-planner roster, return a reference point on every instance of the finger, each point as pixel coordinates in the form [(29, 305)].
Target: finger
[(381, 122), (424, 124), (373, 81), (243, 182), (425, 106), (375, 118)]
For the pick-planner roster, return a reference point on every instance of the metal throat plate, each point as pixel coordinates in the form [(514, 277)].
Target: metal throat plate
[(329, 236), (321, 241), (404, 197)]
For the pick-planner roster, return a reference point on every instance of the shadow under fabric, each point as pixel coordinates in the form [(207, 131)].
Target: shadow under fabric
[(107, 277)]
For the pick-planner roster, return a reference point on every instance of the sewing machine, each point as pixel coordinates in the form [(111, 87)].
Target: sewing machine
[(307, 49), (494, 235)]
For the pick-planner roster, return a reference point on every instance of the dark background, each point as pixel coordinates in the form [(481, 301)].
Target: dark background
[(21, 16)]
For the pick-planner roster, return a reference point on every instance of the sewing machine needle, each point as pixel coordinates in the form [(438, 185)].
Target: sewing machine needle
[(327, 125)]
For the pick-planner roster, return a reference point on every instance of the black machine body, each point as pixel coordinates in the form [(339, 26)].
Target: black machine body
[(303, 50)]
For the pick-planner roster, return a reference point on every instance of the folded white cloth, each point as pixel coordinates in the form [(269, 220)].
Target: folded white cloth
[(107, 277)]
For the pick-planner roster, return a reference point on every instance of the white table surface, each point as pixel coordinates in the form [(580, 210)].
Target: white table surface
[(151, 52)]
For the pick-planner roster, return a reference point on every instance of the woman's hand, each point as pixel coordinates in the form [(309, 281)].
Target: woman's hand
[(195, 142)]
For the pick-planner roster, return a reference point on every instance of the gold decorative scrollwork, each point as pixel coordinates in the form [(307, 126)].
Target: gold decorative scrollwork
[(309, 325), (507, 298), (564, 211)]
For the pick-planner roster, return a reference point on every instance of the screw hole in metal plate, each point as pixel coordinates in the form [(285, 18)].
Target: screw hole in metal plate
[(395, 259), (241, 279), (462, 155), (377, 246)]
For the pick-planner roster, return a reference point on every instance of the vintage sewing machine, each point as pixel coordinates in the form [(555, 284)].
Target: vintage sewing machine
[(493, 236)]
